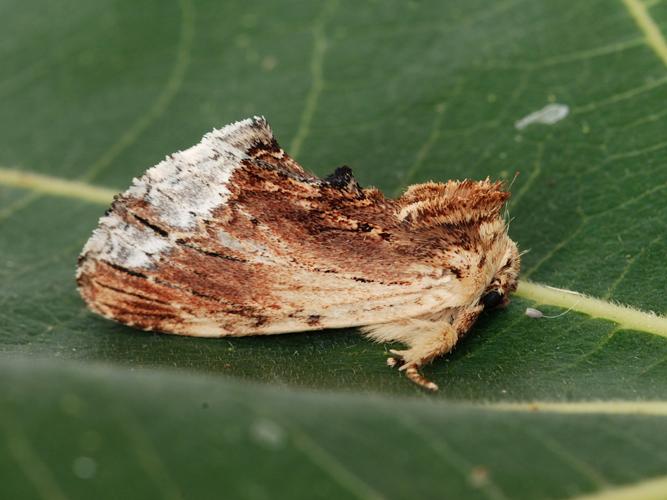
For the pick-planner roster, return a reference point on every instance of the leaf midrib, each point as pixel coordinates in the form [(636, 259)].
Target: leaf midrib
[(648, 27)]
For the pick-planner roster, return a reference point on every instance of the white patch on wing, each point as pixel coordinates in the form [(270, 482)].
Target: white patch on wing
[(117, 242), (229, 241), (548, 115), (248, 247), (188, 185), (184, 188)]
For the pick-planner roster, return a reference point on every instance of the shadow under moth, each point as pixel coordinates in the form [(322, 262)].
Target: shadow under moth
[(232, 237)]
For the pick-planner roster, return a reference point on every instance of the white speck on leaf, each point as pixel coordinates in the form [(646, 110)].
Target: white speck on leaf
[(534, 313), (84, 467), (268, 433), (269, 63), (548, 115), (479, 476)]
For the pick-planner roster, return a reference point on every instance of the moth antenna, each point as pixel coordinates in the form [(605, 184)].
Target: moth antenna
[(571, 292), (508, 223), (507, 208), (536, 313), (561, 314), (524, 252)]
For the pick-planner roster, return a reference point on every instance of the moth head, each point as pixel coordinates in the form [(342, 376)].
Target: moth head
[(505, 279)]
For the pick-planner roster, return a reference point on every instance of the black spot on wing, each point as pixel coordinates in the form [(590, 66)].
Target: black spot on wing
[(150, 225), (343, 179)]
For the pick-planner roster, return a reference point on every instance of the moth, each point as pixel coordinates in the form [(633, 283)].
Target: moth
[(232, 237)]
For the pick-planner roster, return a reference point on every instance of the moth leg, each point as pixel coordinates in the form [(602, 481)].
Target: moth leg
[(423, 349), (427, 339)]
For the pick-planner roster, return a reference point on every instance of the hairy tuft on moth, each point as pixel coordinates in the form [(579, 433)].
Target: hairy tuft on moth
[(232, 237)]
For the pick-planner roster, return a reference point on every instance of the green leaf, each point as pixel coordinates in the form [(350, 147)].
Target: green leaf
[(94, 93)]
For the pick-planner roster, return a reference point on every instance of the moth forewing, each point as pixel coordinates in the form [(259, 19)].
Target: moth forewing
[(232, 237)]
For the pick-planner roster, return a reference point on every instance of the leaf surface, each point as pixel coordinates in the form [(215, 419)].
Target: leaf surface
[(93, 94)]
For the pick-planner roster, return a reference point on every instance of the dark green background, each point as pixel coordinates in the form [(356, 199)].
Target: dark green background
[(403, 92)]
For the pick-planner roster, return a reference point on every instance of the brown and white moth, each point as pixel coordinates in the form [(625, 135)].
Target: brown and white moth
[(232, 237)]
